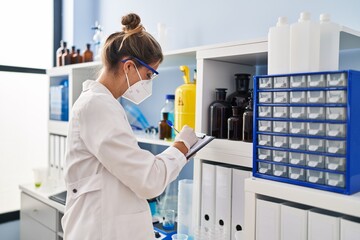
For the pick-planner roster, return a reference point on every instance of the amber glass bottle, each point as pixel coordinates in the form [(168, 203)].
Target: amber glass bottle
[(219, 112), (235, 124), (88, 54), (66, 58), (73, 55), (240, 96), (79, 58), (164, 128), (248, 121), (59, 52)]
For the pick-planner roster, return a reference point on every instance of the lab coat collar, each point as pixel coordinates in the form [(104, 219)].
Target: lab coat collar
[(96, 86)]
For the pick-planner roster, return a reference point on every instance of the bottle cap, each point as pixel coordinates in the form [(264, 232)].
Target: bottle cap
[(169, 96), (325, 17), (304, 16), (282, 21)]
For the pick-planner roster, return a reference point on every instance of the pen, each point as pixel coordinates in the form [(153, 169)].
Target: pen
[(199, 135)]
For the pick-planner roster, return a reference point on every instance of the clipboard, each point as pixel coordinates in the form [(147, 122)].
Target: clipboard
[(202, 142)]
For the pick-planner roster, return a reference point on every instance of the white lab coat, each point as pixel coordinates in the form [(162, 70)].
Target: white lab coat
[(108, 176)]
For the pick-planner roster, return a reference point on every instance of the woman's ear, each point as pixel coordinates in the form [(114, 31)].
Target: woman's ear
[(127, 66)]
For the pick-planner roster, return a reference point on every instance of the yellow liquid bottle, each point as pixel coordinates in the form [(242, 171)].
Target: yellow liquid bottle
[(185, 102)]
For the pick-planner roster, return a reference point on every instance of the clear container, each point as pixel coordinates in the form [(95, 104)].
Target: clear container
[(338, 147), (317, 80), (304, 45), (297, 128), (281, 82), (297, 173), (280, 170), (279, 47), (280, 156), (336, 113), (297, 143), (315, 145), (281, 97), (316, 161), (265, 111), (280, 126), (335, 180), (265, 82), (336, 80), (264, 140), (280, 141), (264, 168), (335, 130), (264, 126), (265, 97), (317, 113), (169, 108), (315, 176), (298, 97), (298, 81), (297, 158), (264, 154), (336, 97), (335, 163), (316, 129), (280, 112), (298, 112), (316, 97)]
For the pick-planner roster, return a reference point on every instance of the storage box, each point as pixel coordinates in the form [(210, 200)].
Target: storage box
[(319, 137)]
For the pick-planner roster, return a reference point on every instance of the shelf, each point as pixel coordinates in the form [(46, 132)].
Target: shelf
[(58, 127), (66, 70), (225, 151), (340, 203)]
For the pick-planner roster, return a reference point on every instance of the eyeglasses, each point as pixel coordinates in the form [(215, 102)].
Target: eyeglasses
[(154, 72)]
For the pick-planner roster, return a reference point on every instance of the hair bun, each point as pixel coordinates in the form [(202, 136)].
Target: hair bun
[(130, 22)]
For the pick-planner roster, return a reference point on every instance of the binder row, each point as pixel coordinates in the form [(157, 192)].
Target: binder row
[(57, 147), (223, 200), (305, 129)]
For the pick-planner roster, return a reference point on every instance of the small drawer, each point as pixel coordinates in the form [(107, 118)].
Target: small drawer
[(336, 146), (297, 158), (298, 97), (297, 143), (315, 161), (280, 127), (335, 180), (281, 97), (336, 113), (316, 97), (335, 163), (315, 145), (39, 211), (264, 126), (297, 173), (315, 176), (264, 140), (297, 128), (280, 156), (318, 80), (265, 111), (337, 80), (265, 97), (298, 81), (317, 113), (264, 168), (281, 82), (316, 129), (280, 141), (265, 82), (336, 97), (298, 112), (279, 170), (335, 130), (280, 112), (264, 154)]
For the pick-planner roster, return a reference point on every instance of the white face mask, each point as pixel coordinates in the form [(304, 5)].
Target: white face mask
[(139, 91)]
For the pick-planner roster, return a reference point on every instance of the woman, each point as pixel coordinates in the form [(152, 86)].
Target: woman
[(108, 177)]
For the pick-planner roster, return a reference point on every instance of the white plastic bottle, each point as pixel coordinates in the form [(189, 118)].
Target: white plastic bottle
[(279, 47), (329, 44), (304, 45)]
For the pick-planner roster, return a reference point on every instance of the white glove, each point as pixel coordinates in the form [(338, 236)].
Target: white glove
[(187, 136)]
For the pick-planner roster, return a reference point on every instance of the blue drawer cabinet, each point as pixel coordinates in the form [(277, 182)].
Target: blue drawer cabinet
[(307, 129)]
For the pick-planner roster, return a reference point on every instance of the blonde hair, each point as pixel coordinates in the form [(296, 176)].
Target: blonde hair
[(132, 41)]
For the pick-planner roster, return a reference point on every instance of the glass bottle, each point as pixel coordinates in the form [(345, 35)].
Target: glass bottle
[(79, 58), (240, 96), (66, 57), (88, 54), (248, 121), (59, 53), (72, 55), (169, 108), (164, 128), (219, 112), (235, 124)]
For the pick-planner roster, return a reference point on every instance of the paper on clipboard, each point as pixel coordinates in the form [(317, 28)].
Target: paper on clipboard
[(202, 142)]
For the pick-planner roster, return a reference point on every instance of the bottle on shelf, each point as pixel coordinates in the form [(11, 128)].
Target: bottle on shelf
[(329, 44), (235, 124), (88, 55), (73, 55), (185, 99), (79, 58), (240, 96), (66, 57), (219, 112), (164, 128), (248, 121), (304, 45), (169, 108), (279, 47), (59, 52)]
